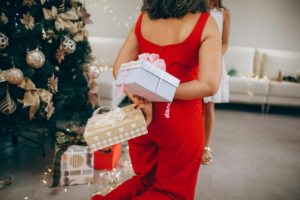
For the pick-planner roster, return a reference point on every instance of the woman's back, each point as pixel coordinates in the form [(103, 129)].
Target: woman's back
[(169, 31), (176, 41)]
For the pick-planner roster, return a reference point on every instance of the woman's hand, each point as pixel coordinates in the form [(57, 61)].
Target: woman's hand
[(147, 108), (140, 99)]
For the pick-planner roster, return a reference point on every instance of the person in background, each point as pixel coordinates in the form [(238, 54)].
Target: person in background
[(222, 16), (166, 161)]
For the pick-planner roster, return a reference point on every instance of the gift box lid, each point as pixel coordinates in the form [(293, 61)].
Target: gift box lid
[(152, 69)]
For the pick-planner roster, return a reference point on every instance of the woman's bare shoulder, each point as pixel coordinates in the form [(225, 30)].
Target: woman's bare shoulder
[(211, 29)]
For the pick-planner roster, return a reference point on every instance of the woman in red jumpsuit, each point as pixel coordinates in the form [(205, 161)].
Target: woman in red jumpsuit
[(167, 159)]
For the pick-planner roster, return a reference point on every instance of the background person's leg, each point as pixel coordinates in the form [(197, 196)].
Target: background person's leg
[(209, 121)]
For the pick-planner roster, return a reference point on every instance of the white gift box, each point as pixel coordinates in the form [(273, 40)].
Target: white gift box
[(145, 79)]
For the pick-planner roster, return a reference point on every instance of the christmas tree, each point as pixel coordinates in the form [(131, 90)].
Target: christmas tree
[(46, 67)]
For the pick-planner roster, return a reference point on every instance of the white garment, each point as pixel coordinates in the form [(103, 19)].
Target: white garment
[(222, 96)]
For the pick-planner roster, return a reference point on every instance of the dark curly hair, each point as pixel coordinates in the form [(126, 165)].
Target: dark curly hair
[(157, 9)]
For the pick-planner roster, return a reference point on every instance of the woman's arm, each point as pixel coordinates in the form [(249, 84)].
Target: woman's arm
[(210, 66), (128, 52), (226, 30)]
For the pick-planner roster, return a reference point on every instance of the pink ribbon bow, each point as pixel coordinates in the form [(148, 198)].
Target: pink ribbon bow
[(154, 59)]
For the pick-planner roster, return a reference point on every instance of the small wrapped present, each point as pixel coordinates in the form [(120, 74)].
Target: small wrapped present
[(107, 129), (76, 166), (107, 159), (73, 161), (147, 78)]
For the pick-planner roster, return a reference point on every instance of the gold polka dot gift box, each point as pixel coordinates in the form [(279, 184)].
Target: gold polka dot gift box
[(118, 125)]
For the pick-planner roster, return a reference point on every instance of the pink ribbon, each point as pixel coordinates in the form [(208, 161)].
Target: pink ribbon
[(122, 88), (154, 59)]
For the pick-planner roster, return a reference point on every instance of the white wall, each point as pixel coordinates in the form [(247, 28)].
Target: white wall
[(110, 17), (273, 24)]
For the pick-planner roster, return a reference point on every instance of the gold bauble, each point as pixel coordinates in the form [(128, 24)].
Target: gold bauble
[(14, 76), (7, 105), (94, 70), (3, 41), (35, 59), (72, 127)]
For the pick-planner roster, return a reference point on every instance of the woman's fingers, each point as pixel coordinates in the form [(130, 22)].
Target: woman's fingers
[(140, 98), (147, 109)]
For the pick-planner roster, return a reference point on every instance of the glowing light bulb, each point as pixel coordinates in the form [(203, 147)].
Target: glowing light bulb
[(44, 181), (26, 198), (66, 190)]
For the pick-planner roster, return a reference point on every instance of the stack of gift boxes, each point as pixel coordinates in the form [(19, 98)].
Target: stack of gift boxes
[(105, 132)]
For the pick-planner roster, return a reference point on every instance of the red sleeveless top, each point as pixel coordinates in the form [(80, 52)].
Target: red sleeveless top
[(182, 59)]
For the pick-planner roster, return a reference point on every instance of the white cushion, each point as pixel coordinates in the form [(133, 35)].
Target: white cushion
[(242, 98), (241, 59), (274, 61), (284, 89), (248, 86), (106, 49)]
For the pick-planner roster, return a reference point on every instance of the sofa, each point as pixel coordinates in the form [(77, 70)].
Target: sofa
[(256, 71), (252, 85)]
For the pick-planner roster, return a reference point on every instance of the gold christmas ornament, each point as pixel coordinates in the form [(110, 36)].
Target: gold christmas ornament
[(62, 20), (53, 84), (82, 34), (60, 54), (69, 45), (28, 21), (35, 59), (44, 34), (14, 76), (50, 35), (50, 110), (4, 19), (72, 127), (29, 3), (61, 7), (2, 76), (3, 41), (85, 16), (33, 97), (7, 105), (94, 70)]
